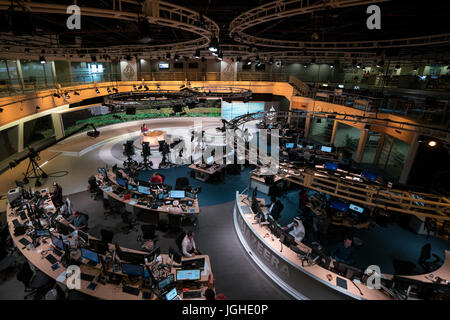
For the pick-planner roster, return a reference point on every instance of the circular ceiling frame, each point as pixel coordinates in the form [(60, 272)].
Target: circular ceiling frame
[(284, 9), (179, 18)]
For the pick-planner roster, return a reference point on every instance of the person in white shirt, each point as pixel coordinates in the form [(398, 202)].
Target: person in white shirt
[(188, 245), (297, 229)]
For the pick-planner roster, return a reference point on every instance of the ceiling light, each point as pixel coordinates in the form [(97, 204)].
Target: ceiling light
[(432, 143), (197, 54), (213, 45), (97, 91), (42, 59)]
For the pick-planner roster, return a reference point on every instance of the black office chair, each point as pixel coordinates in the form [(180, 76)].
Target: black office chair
[(424, 259), (107, 235), (148, 231), (130, 222), (94, 189), (182, 183), (179, 240), (175, 221), (37, 284), (87, 222)]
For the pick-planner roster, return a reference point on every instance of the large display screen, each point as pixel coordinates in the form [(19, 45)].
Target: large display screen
[(236, 109)]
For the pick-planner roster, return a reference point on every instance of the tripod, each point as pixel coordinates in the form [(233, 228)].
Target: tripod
[(34, 171)]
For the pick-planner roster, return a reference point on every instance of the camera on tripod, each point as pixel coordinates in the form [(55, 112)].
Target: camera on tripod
[(129, 152), (146, 153)]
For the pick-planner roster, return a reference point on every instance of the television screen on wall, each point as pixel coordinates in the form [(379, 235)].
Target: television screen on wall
[(163, 65)]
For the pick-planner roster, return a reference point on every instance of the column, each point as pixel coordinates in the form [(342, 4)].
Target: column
[(361, 146), (307, 126), (413, 148), (58, 125), (333, 134), (19, 73)]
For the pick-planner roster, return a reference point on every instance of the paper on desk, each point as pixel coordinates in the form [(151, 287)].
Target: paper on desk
[(62, 277), (205, 270), (132, 201)]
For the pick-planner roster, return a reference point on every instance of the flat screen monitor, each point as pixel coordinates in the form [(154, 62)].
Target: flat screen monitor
[(144, 190), (102, 171), (340, 206), (369, 175), (164, 283), (326, 149), (57, 242), (132, 187), (90, 255), (289, 145), (299, 146), (172, 294), (121, 182), (163, 65), (356, 208), (310, 147), (98, 246), (177, 194), (209, 160), (331, 166), (188, 275), (132, 269), (42, 233)]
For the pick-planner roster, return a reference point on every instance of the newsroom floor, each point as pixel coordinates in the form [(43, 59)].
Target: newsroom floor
[(236, 275)]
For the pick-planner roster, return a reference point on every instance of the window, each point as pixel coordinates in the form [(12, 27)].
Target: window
[(38, 130), (9, 139)]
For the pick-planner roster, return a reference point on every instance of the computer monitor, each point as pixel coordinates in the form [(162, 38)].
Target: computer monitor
[(57, 242), (89, 255), (356, 208), (299, 146), (326, 149), (128, 256), (102, 171), (310, 147), (289, 145), (121, 182), (62, 228), (165, 282), (331, 166), (369, 175), (176, 256), (275, 229), (132, 187), (191, 275), (144, 190), (209, 160), (83, 236), (286, 238), (340, 206), (42, 233), (193, 264), (155, 253), (132, 269), (98, 246), (177, 194), (172, 294)]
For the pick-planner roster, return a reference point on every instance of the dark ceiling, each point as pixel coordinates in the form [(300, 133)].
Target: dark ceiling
[(400, 19)]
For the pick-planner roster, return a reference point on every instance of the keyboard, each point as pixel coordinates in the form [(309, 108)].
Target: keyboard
[(87, 277), (24, 241), (131, 290), (57, 252), (51, 259), (192, 294)]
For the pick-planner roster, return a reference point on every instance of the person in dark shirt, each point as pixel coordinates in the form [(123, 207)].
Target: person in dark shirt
[(57, 196), (79, 221), (344, 251)]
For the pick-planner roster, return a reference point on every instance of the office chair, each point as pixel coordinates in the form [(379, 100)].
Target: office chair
[(107, 235), (148, 231), (130, 222), (94, 189), (424, 259), (36, 283), (179, 240), (108, 209), (182, 183), (175, 222)]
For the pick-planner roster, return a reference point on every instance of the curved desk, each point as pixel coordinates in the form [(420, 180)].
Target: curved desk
[(108, 291), (285, 268)]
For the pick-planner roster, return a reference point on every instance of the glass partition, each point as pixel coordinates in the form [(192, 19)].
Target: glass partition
[(9, 140), (38, 131), (370, 150), (347, 137), (321, 131)]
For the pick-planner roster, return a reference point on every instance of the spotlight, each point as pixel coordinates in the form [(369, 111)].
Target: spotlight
[(415, 68), (37, 108), (238, 59), (220, 57), (213, 45), (203, 59), (358, 65), (97, 91), (94, 133), (115, 90), (249, 62), (134, 87), (271, 60), (168, 56), (380, 63), (56, 95), (109, 90), (76, 93), (331, 66), (42, 59), (197, 54), (432, 143), (67, 96), (397, 66), (146, 88), (176, 57), (140, 87), (367, 127)]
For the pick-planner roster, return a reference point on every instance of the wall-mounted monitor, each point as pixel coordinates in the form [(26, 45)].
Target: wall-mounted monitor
[(356, 208), (163, 65)]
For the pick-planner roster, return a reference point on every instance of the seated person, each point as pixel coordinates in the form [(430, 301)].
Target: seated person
[(188, 245), (144, 129), (275, 208), (78, 220), (175, 208), (156, 178), (297, 230), (133, 174), (57, 196), (344, 251)]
